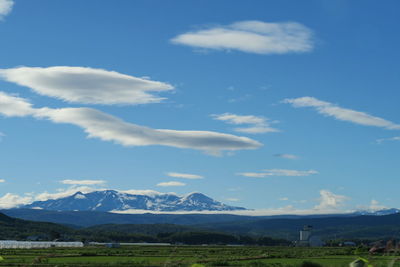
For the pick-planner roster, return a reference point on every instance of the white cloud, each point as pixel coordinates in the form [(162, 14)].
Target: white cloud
[(5, 7), (283, 199), (278, 172), (375, 206), (380, 141), (184, 175), (101, 125), (64, 192), (86, 85), (2, 181), (13, 106), (252, 37), (286, 156), (252, 174), (144, 192), (343, 114), (171, 183), (330, 201), (238, 119), (232, 199), (258, 124), (234, 189), (83, 182), (10, 200)]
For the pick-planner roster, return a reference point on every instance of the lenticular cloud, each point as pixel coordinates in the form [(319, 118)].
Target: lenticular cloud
[(252, 37), (87, 85), (103, 126), (343, 114)]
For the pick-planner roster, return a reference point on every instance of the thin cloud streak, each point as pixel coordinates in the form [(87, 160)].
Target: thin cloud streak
[(171, 183), (277, 172), (258, 124), (286, 156), (343, 114), (83, 182), (184, 175), (382, 140)]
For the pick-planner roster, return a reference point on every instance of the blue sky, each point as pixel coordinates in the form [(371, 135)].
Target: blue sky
[(280, 106)]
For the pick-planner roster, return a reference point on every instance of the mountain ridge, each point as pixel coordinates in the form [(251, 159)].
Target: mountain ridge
[(112, 200)]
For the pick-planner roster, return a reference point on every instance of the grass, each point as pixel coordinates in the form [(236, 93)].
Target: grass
[(189, 256)]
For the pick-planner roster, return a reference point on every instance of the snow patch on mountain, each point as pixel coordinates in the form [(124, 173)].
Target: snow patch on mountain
[(378, 212), (79, 196)]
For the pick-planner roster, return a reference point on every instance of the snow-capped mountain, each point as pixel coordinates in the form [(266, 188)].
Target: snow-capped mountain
[(111, 200), (378, 212)]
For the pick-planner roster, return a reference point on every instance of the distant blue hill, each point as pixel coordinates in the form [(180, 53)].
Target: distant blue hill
[(334, 226), (89, 218)]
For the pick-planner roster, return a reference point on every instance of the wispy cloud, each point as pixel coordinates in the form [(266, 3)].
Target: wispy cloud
[(13, 106), (184, 175), (380, 141), (257, 124), (83, 182), (171, 183), (5, 7), (252, 37), (343, 114), (283, 199), (330, 201), (277, 172), (375, 205), (64, 192), (87, 85), (101, 125), (232, 199), (286, 156), (144, 192), (2, 180), (10, 200), (234, 189)]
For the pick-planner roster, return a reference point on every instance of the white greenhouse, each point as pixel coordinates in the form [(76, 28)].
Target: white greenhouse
[(38, 244)]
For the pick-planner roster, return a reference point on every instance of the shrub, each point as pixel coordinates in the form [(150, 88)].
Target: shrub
[(310, 264)]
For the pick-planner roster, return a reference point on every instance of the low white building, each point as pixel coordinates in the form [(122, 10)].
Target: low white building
[(4, 244)]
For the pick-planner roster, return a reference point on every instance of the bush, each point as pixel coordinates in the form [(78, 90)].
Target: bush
[(310, 264)]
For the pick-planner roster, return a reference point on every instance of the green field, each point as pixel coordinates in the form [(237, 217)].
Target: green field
[(191, 256)]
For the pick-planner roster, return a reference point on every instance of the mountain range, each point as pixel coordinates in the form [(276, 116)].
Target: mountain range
[(111, 200), (114, 201)]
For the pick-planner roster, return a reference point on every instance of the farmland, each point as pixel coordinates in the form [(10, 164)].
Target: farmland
[(191, 256)]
